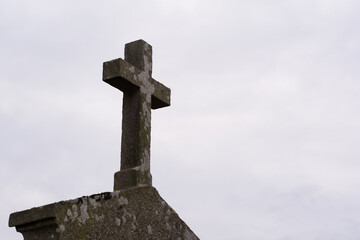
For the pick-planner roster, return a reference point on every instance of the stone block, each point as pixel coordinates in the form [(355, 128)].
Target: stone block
[(134, 213)]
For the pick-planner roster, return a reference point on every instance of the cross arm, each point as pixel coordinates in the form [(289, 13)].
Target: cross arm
[(161, 95), (121, 74), (125, 77)]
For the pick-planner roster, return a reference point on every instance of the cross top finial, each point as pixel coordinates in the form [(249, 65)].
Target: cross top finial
[(141, 94), (139, 54)]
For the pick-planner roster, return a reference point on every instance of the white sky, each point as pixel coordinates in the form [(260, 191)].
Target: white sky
[(261, 140)]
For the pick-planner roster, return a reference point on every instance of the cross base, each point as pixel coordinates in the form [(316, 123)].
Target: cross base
[(135, 213), (128, 178)]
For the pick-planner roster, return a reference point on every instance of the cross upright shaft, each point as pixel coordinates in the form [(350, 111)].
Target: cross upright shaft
[(141, 93)]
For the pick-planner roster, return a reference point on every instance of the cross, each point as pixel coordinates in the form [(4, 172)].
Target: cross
[(141, 94)]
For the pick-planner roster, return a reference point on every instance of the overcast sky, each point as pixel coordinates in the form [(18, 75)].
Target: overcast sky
[(261, 140)]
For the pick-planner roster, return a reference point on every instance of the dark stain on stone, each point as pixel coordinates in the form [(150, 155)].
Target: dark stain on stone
[(107, 196)]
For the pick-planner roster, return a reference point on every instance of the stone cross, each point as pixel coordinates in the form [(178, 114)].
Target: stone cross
[(141, 94)]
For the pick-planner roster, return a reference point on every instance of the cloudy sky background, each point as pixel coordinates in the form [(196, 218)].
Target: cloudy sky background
[(261, 140)]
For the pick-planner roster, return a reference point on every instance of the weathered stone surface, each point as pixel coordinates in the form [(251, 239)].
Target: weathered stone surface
[(135, 213), (141, 94), (134, 210)]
